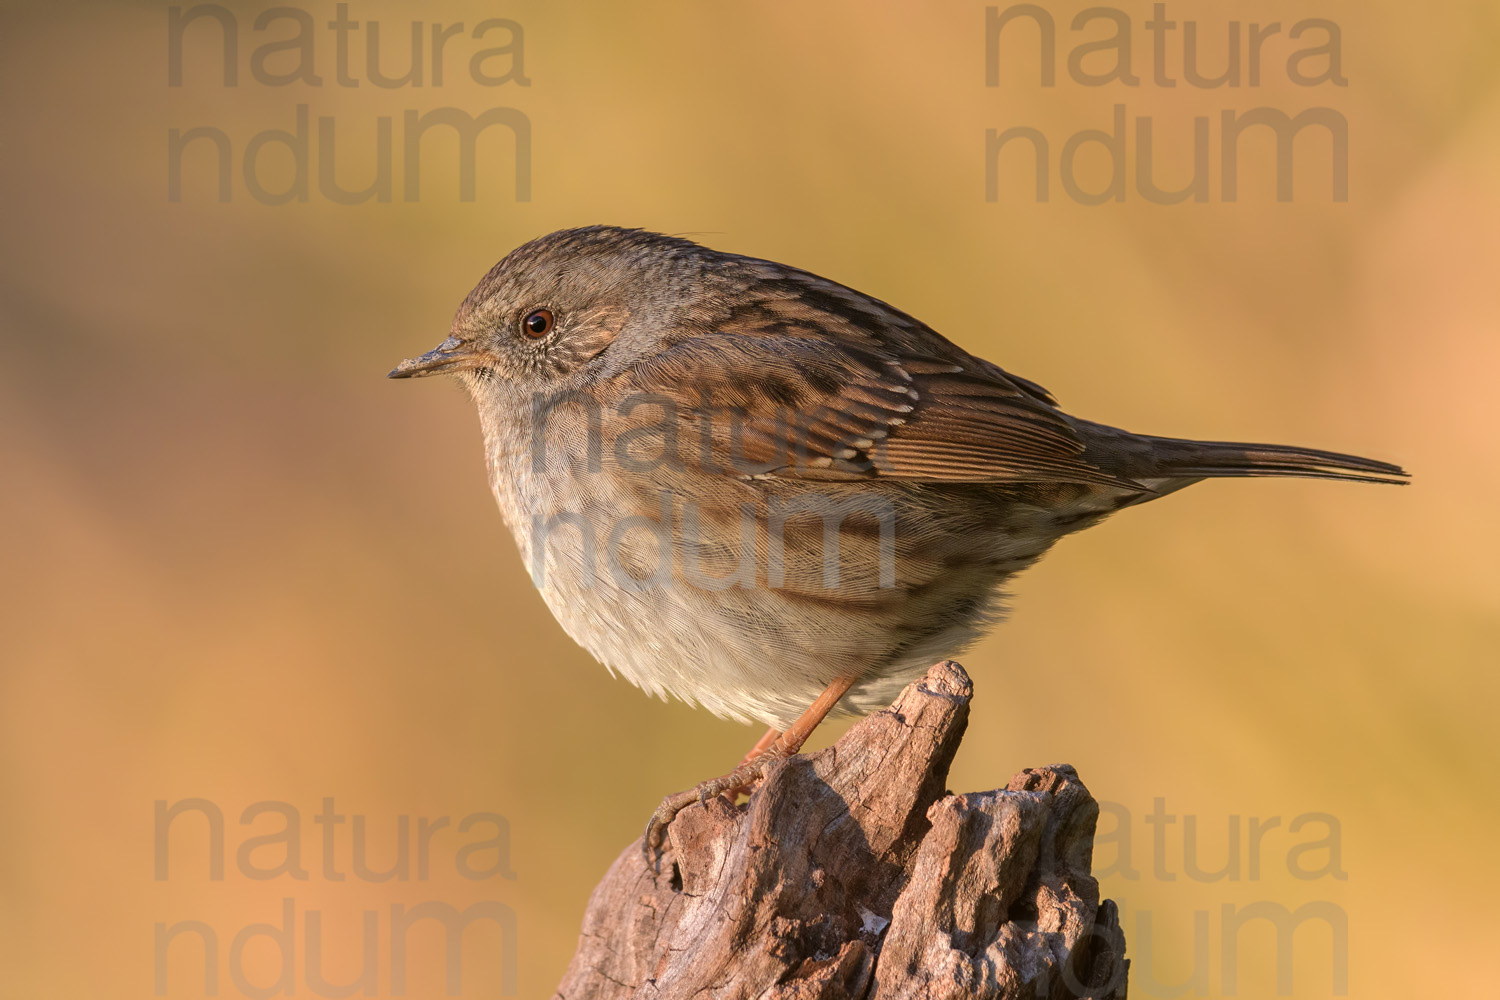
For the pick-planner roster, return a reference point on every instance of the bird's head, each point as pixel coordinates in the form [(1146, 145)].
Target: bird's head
[(562, 307)]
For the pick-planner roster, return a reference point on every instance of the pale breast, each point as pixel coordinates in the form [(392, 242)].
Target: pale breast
[(750, 597)]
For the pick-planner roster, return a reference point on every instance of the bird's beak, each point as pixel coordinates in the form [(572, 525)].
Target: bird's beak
[(451, 355)]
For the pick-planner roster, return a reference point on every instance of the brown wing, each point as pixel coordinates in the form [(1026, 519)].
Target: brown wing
[(813, 380)]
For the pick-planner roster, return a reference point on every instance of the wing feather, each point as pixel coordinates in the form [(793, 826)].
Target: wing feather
[(810, 379)]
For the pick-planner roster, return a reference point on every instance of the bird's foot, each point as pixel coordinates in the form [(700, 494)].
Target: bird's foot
[(731, 784), (772, 747)]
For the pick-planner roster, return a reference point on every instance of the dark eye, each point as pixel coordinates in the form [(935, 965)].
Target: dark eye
[(538, 323)]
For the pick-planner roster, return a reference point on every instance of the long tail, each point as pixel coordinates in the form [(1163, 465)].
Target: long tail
[(1141, 456), (1206, 459)]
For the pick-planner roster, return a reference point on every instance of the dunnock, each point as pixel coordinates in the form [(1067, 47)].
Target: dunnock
[(766, 493)]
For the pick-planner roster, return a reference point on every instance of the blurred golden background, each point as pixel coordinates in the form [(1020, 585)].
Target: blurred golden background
[(240, 565)]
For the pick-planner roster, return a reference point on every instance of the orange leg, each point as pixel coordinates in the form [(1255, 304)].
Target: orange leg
[(762, 745), (772, 747)]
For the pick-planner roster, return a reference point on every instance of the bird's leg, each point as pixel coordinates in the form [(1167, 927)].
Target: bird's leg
[(761, 746), (771, 748)]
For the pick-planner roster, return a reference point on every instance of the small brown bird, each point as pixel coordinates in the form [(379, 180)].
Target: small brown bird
[(761, 491)]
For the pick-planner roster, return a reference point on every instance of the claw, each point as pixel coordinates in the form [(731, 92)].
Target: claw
[(653, 840), (656, 828), (651, 845)]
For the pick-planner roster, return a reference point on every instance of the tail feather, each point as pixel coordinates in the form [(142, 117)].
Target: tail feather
[(1175, 457)]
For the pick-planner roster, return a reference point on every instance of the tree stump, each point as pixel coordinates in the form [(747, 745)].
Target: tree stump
[(851, 873)]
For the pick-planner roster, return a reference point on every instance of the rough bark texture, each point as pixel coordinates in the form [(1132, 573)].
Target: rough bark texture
[(851, 873)]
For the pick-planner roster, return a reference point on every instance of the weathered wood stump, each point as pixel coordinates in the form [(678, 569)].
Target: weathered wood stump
[(852, 873)]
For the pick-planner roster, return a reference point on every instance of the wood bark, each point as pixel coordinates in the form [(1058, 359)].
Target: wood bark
[(852, 873)]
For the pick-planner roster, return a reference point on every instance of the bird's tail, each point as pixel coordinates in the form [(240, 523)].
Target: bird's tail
[(1141, 457), (1176, 457)]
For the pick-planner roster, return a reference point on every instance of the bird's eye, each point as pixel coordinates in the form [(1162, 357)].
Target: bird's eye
[(538, 323)]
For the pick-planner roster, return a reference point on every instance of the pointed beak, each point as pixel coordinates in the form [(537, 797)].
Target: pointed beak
[(451, 355)]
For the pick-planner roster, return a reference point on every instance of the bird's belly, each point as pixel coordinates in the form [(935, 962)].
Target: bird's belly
[(734, 602)]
